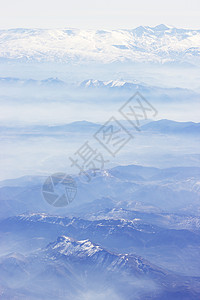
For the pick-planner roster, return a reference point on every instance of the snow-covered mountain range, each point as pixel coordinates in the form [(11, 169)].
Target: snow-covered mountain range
[(139, 239), (160, 44), (70, 269), (50, 251)]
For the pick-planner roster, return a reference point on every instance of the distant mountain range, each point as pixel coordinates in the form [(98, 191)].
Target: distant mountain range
[(94, 83), (155, 93), (6, 81), (153, 127), (172, 127), (111, 90), (159, 44), (114, 233), (129, 187)]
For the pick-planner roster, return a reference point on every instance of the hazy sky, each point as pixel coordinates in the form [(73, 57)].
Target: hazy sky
[(99, 14)]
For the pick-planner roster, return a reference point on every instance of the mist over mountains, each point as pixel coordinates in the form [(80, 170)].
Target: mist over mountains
[(79, 269), (134, 241), (133, 230)]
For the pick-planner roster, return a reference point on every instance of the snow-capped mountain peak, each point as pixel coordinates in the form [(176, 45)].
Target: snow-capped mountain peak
[(159, 44), (94, 83), (68, 246)]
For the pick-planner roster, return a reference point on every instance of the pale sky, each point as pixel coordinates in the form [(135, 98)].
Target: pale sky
[(101, 14)]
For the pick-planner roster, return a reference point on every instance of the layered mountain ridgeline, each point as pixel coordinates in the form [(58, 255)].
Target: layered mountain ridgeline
[(160, 238), (143, 210), (167, 127), (172, 127), (119, 87), (132, 187), (113, 85), (79, 270), (15, 81), (93, 91), (140, 238)]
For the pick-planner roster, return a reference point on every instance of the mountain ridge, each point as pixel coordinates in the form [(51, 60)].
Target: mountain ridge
[(159, 44)]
